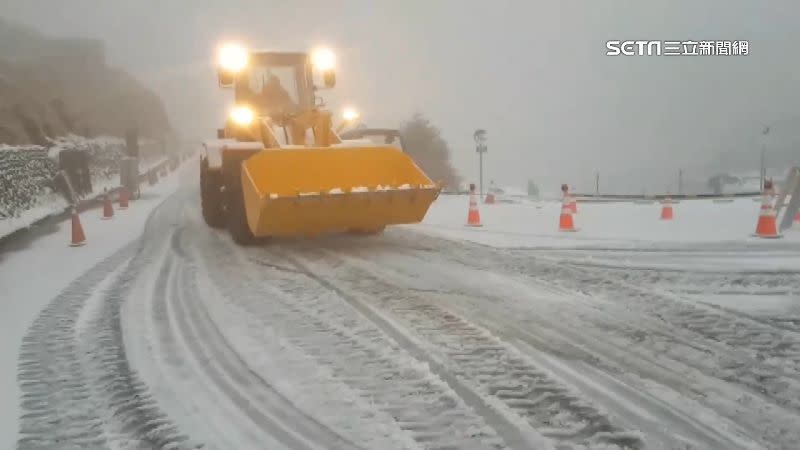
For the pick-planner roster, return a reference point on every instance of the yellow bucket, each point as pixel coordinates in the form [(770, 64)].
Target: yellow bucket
[(310, 191)]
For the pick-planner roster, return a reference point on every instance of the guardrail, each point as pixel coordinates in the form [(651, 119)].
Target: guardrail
[(673, 196), (634, 197), (88, 203)]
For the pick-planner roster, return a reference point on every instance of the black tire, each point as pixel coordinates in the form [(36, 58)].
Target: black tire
[(211, 196), (237, 219)]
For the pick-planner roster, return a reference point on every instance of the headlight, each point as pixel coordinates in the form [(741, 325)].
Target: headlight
[(349, 114), (323, 59), (242, 116), (232, 58)]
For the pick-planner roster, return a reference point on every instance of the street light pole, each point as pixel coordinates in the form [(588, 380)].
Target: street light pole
[(480, 172), (763, 173), (480, 147), (597, 182)]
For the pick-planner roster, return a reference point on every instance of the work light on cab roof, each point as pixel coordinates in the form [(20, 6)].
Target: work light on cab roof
[(323, 59), (232, 57)]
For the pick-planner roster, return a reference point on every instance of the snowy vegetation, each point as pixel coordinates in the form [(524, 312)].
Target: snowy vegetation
[(26, 171), (425, 144)]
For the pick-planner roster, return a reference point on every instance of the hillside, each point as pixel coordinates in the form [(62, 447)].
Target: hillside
[(50, 87)]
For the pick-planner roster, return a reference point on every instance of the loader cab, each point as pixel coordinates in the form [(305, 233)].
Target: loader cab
[(276, 83), (275, 95)]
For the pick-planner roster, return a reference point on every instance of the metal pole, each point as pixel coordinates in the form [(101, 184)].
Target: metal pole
[(763, 173), (480, 156), (680, 181), (597, 183), (480, 146), (763, 164)]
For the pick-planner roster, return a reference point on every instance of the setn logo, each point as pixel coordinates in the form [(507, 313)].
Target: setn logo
[(630, 48), (687, 48)]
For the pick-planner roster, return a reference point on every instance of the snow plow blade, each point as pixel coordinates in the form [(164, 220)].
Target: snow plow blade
[(312, 191)]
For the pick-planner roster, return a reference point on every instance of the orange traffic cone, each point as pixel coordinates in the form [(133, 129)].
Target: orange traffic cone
[(474, 216), (797, 219), (108, 208), (573, 205), (123, 198), (78, 237), (767, 226), (666, 209), (565, 222), (489, 199)]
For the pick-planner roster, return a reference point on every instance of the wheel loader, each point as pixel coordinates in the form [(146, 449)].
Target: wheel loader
[(279, 168)]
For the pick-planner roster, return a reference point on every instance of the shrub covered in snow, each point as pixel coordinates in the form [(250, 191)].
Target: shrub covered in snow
[(104, 154), (26, 171)]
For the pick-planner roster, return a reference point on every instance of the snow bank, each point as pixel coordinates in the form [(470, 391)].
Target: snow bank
[(47, 204), (604, 225)]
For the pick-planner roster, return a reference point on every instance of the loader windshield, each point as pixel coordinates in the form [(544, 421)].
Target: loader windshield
[(274, 84), (273, 87)]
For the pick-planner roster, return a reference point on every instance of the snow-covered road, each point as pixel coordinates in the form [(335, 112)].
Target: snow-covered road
[(430, 336), (39, 271)]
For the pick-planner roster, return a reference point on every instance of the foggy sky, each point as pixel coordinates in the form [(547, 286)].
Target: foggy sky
[(532, 73)]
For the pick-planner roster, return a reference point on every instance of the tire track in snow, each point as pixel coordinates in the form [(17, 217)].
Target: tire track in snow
[(685, 283), (78, 389), (617, 332), (268, 410), (359, 354), (478, 359), (770, 363), (590, 333), (759, 355)]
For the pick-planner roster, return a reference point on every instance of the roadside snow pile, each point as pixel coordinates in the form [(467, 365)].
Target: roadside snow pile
[(604, 225)]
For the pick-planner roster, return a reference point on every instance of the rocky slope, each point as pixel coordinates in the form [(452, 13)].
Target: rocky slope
[(51, 87)]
